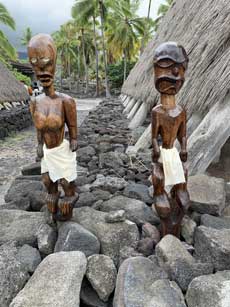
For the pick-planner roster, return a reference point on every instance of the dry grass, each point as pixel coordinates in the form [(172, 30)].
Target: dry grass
[(203, 28)]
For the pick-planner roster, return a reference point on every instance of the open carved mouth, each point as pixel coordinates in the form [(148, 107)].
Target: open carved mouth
[(44, 78)]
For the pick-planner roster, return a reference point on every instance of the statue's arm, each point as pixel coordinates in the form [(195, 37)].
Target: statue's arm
[(182, 138), (71, 121), (40, 140), (155, 131)]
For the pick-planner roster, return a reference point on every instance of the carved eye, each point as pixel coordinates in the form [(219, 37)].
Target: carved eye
[(33, 60), (45, 60)]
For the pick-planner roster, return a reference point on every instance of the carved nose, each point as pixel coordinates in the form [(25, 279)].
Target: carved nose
[(175, 71)]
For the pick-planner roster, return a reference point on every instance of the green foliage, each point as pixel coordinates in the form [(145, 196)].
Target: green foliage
[(20, 77), (27, 35), (116, 73), (7, 51)]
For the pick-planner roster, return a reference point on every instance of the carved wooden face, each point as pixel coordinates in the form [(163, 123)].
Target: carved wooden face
[(169, 76), (42, 56)]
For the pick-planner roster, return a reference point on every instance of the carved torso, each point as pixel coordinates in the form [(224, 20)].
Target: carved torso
[(168, 123)]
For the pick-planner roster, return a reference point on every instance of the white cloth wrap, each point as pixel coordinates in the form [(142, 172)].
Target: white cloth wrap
[(60, 162), (172, 166)]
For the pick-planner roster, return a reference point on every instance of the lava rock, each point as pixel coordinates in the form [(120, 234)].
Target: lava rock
[(188, 227), (112, 237), (73, 237), (207, 194), (46, 238), (29, 257), (138, 191), (19, 203), (135, 210), (209, 291), (135, 276), (89, 296), (86, 199), (20, 226), (150, 231), (115, 216), (212, 245), (37, 200), (55, 283), (215, 222), (164, 293), (85, 154), (109, 183), (101, 273), (23, 188), (31, 170), (13, 275)]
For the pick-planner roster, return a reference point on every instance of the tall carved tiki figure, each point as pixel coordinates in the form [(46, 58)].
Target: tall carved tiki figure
[(50, 113), (168, 124)]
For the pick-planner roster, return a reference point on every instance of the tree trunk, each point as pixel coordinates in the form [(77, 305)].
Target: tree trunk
[(85, 64), (78, 67), (104, 51), (69, 72), (143, 39), (125, 66), (96, 56)]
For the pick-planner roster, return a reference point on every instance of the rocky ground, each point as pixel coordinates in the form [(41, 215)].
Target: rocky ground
[(110, 253)]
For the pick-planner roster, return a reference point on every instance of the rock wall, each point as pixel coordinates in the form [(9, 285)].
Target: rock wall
[(14, 117)]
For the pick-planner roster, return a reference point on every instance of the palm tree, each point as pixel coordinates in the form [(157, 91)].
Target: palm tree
[(85, 10), (124, 30), (162, 10), (66, 45), (27, 35), (7, 51)]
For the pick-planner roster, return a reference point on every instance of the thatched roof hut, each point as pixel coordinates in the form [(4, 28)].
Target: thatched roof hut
[(11, 90), (202, 27)]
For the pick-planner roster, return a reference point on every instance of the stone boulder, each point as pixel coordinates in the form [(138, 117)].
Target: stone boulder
[(138, 191), (210, 291), (180, 265), (29, 257), (215, 222), (165, 293), (20, 226), (13, 274), (134, 280), (109, 183), (101, 273), (46, 239), (213, 245), (73, 237), (136, 210), (113, 237), (207, 194), (55, 283)]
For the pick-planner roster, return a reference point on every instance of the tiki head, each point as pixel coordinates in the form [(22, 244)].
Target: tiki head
[(170, 64), (42, 55)]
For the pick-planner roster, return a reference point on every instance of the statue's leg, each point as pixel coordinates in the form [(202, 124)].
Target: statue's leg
[(66, 204), (181, 197), (52, 192), (162, 204)]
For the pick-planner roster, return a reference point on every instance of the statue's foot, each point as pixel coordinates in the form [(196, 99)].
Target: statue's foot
[(51, 201), (65, 208)]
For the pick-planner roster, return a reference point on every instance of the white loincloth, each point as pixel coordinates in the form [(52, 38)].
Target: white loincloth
[(60, 162), (172, 166)]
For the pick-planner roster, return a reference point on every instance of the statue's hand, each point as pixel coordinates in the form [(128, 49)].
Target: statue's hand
[(40, 152), (183, 155), (73, 145), (155, 155)]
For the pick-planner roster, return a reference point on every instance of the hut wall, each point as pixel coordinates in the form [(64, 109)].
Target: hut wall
[(14, 119)]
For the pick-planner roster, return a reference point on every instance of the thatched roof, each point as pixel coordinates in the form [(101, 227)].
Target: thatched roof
[(202, 27), (24, 68), (10, 88)]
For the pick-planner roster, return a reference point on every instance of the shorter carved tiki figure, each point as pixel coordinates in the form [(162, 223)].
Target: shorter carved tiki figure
[(169, 124), (50, 113)]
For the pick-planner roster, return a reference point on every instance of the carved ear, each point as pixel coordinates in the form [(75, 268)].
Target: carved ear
[(185, 63)]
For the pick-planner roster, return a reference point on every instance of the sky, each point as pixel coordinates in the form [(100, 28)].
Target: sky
[(45, 16)]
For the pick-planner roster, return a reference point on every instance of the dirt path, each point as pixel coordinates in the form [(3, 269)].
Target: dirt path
[(19, 150)]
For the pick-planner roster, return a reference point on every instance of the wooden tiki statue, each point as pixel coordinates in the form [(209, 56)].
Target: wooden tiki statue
[(169, 174), (50, 112)]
